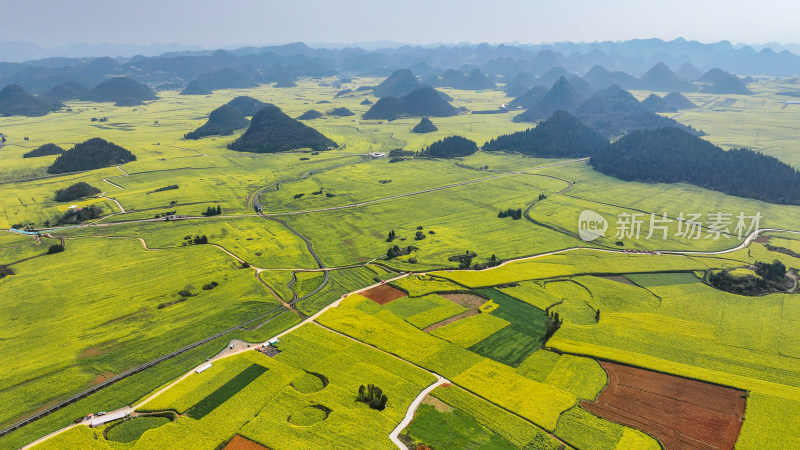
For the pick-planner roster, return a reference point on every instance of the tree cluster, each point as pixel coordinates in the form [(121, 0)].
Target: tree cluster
[(44, 150), (212, 211), (55, 248), (165, 188), (76, 191), (373, 396), (78, 215), (92, 154), (771, 278), (5, 271), (552, 325), (450, 147), (671, 155), (515, 214), (464, 260), (396, 251)]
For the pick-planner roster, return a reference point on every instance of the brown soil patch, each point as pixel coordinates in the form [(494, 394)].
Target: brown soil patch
[(92, 351), (383, 294), (97, 350), (241, 443), (437, 404), (470, 301), (761, 239), (619, 278), (457, 317), (680, 413), (102, 377)]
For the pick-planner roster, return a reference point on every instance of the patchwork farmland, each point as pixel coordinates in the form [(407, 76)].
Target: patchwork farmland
[(246, 300)]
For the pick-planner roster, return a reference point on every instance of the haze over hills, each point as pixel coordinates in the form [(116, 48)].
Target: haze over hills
[(120, 89), (285, 63)]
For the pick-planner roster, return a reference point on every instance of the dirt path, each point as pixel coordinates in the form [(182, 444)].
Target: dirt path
[(119, 205)]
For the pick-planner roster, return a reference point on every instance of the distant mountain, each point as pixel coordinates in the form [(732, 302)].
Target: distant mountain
[(399, 83), (366, 101), (44, 150), (530, 98), (423, 102), (339, 112), (656, 103), (195, 87), (14, 101), (67, 91), (89, 155), (661, 78), (722, 82), (120, 89), (672, 155), (552, 76), (310, 115), (598, 77), (450, 147), (581, 86), (248, 106), (273, 131), (424, 126), (560, 136), (688, 72), (562, 96), (227, 78), (712, 76), (223, 121), (285, 83), (519, 84), (475, 80), (678, 101)]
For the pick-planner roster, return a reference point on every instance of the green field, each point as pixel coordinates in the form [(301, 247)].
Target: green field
[(452, 429)]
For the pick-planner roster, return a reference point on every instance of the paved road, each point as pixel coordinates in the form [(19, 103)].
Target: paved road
[(412, 409)]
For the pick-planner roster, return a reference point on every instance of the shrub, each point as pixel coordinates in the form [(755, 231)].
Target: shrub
[(55, 248)]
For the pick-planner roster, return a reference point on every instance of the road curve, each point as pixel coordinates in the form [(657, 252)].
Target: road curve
[(412, 410)]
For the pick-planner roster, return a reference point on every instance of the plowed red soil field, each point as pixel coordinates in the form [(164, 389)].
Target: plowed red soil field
[(240, 443), (383, 294), (680, 413)]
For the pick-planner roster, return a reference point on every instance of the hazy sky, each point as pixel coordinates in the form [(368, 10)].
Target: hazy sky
[(234, 22)]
